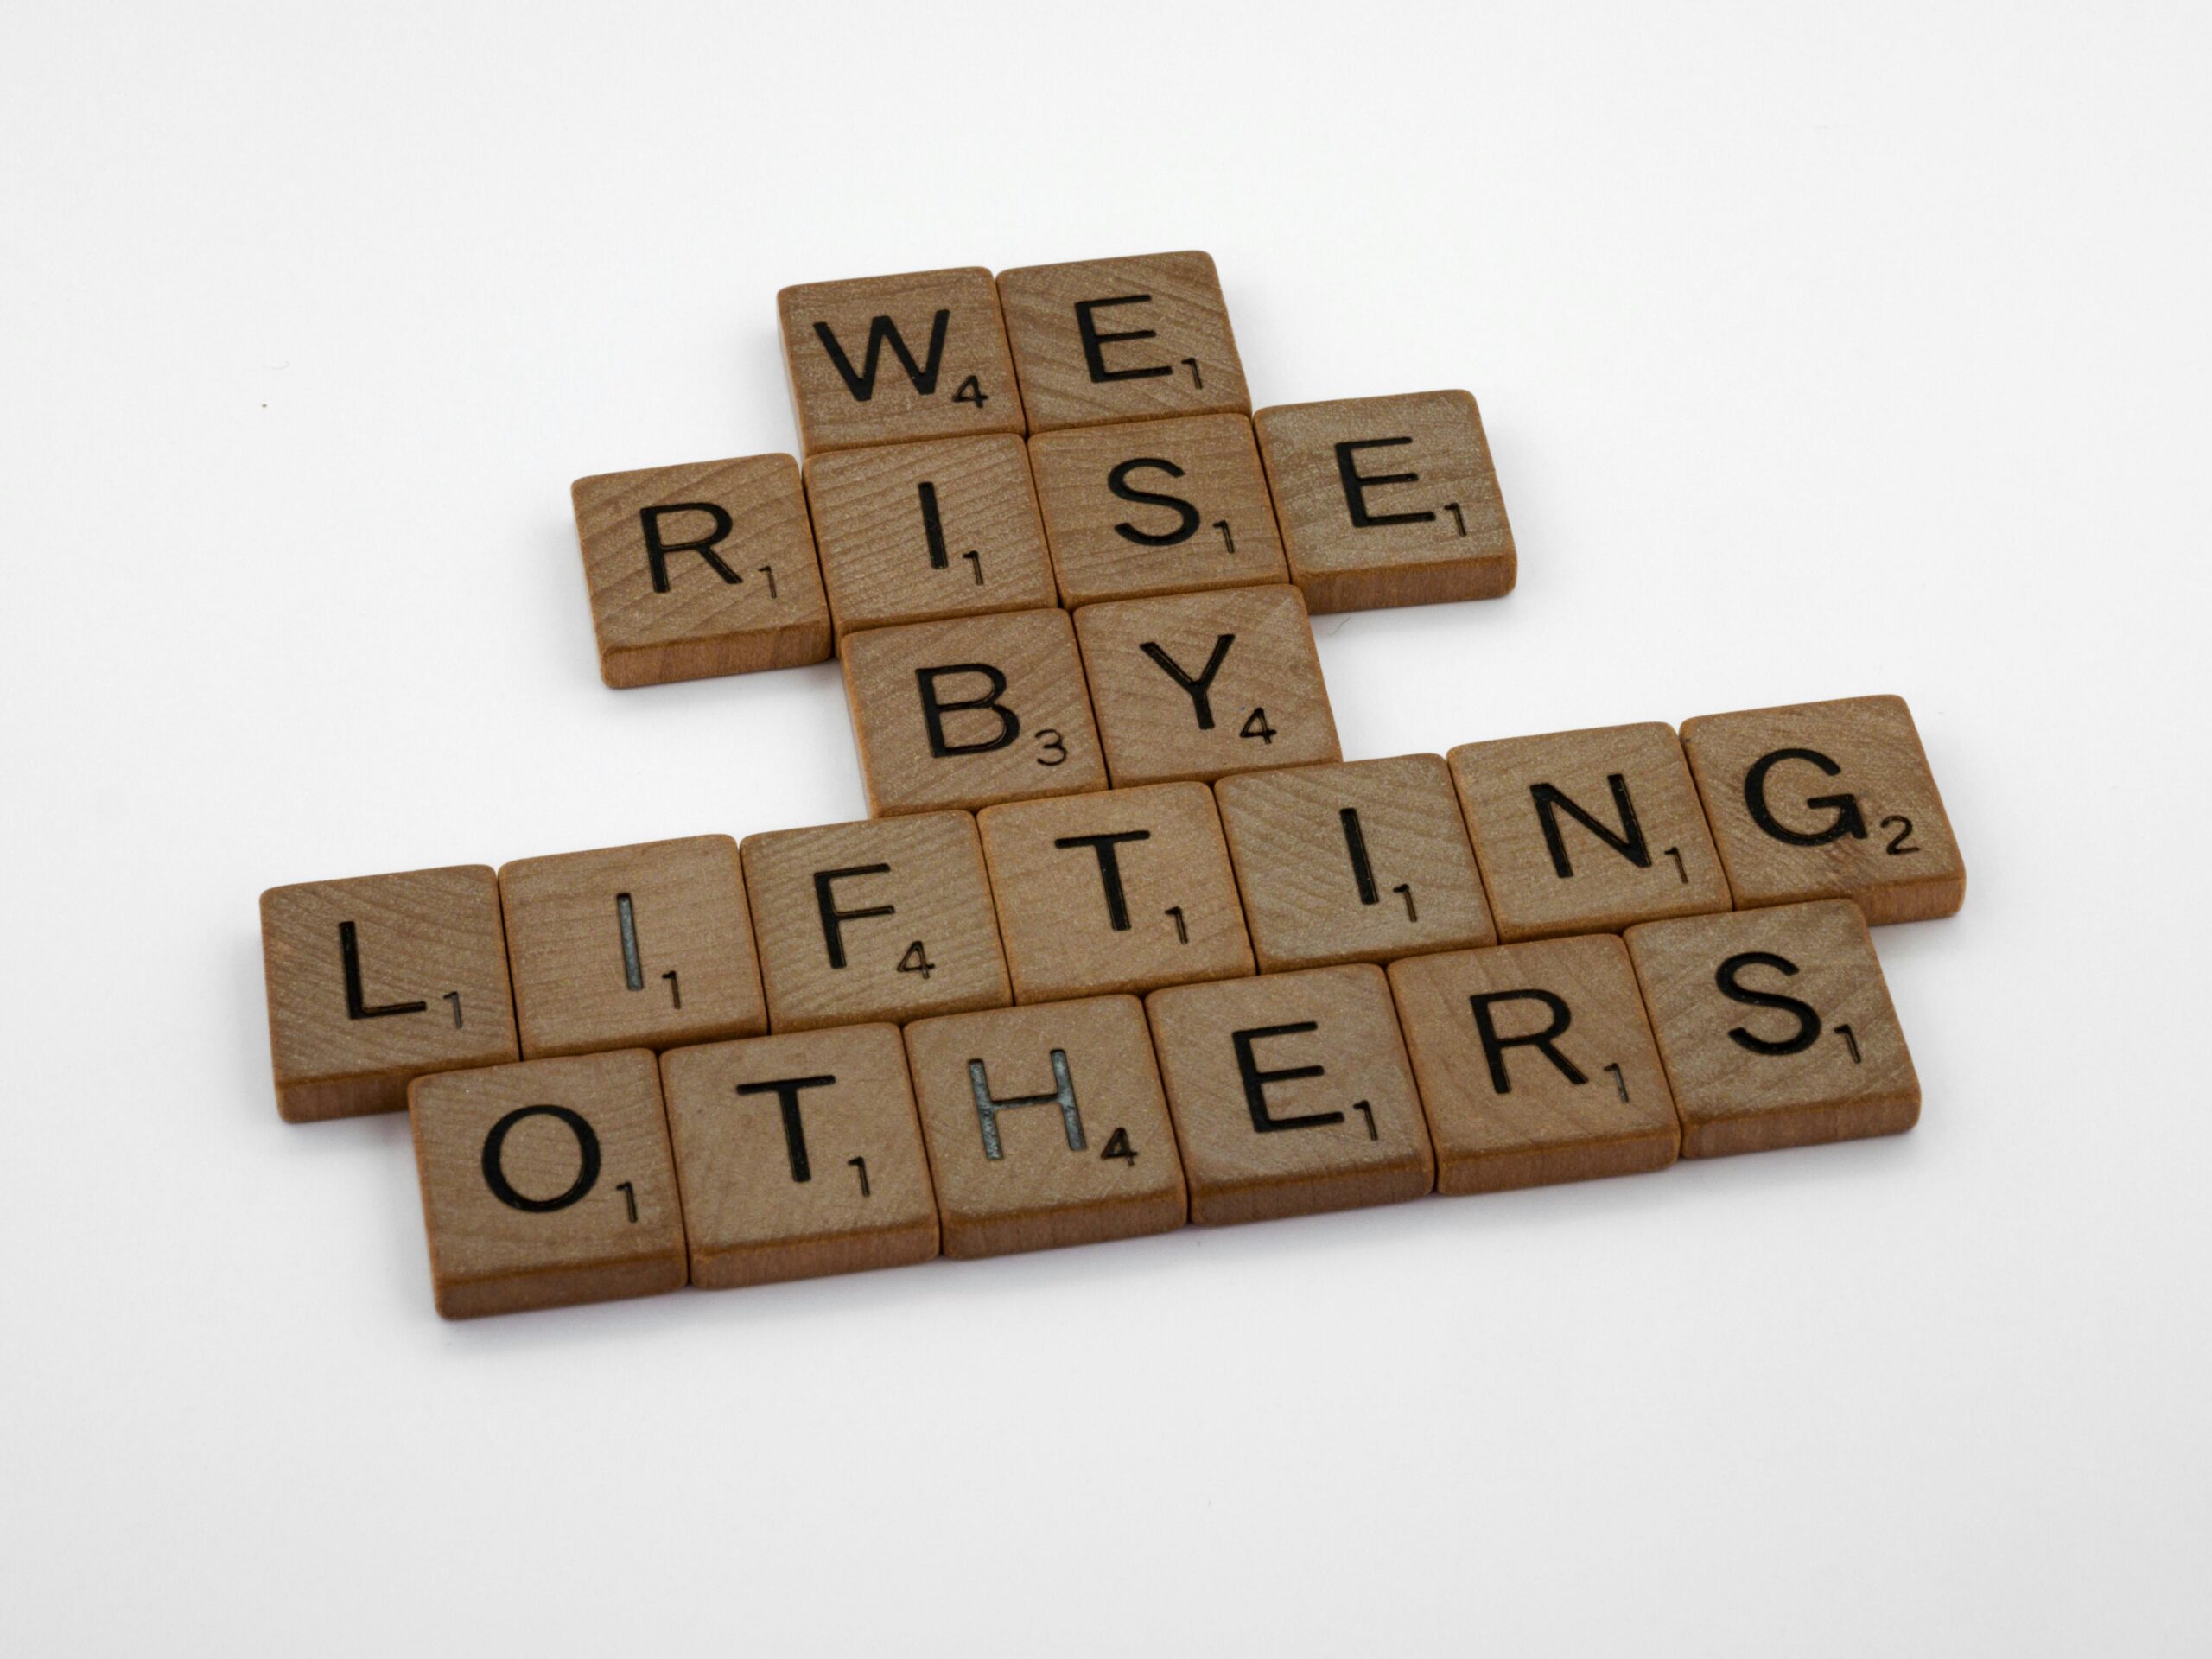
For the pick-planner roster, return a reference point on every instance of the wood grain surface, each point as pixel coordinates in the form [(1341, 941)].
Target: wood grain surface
[(1361, 860), (1014, 718), (1291, 1094), (375, 980), (1146, 508), (1775, 1027), (1078, 1164), (1824, 800), (1127, 339), (1536, 1063), (888, 919), (910, 532), (1122, 891), (1387, 500), (888, 360), (701, 570), (798, 1156), (1199, 685), (1588, 831), (547, 1182), (631, 947)]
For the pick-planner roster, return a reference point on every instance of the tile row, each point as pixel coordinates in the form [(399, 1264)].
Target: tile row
[(1144, 472), (857, 1147), (374, 981)]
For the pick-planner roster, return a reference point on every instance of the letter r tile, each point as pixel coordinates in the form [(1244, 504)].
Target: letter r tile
[(970, 711), (701, 570)]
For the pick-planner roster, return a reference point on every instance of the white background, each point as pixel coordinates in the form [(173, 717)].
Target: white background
[(1860, 351)]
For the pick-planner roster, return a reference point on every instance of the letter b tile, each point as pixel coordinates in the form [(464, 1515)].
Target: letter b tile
[(1046, 1126), (971, 711)]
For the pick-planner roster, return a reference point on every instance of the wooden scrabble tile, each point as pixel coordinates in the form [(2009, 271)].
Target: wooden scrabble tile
[(1587, 832), (1536, 1063), (1358, 861), (889, 918), (884, 359), (1121, 340), (702, 569), (1122, 891), (1291, 1094), (1198, 685), (1387, 500), (1045, 1127), (910, 532), (970, 711), (547, 1182), (1156, 507), (1828, 799), (798, 1156), (1777, 1028), (378, 979), (631, 947)]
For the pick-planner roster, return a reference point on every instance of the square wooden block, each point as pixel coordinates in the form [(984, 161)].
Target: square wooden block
[(1122, 891), (1199, 685), (910, 532), (1122, 340), (1536, 1063), (547, 1182), (631, 947), (971, 711), (1358, 861), (1777, 1028), (1045, 1127), (1156, 507), (377, 980), (886, 360), (1587, 832), (1387, 500), (1824, 800), (699, 570), (889, 918), (1291, 1094), (798, 1156)]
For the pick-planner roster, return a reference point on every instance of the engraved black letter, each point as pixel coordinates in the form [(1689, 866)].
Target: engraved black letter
[(1362, 873), (933, 712), (1109, 869), (1200, 702), (495, 1146), (833, 933), (881, 330), (1356, 483), (1848, 820), (1628, 844), (357, 1007), (1256, 1081), (1494, 1046), (1809, 1019), (656, 551), (1118, 481), (1093, 341), (785, 1089)]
